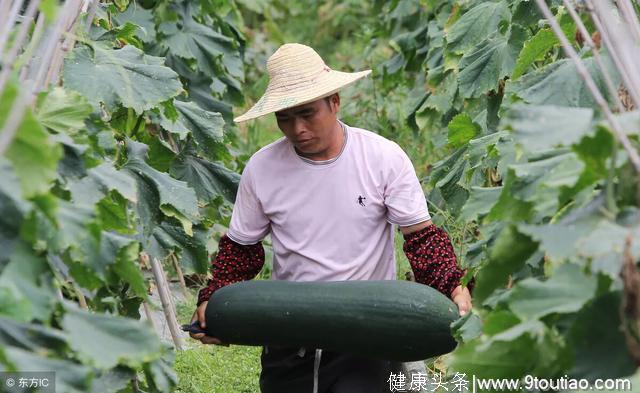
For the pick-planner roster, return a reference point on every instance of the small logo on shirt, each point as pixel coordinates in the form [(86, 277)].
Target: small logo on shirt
[(361, 200)]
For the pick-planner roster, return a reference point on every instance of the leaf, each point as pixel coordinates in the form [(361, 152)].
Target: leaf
[(112, 340), (32, 337), (461, 130), (442, 98), (476, 24), (543, 127), (107, 250), (142, 18), (509, 208), (124, 76), (114, 380), (189, 39), (488, 62), (467, 328), (605, 246), (557, 241), (524, 348), (534, 50), (540, 182), (208, 179), (160, 373), (33, 155), (100, 181), (192, 250), (28, 281), (566, 291), (599, 346), (206, 127), (158, 190), (12, 209), (63, 111), (509, 253), (503, 359), (70, 377), (559, 83), (481, 201)]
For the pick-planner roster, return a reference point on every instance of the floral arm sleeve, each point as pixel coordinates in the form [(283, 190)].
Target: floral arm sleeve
[(235, 262), (433, 260)]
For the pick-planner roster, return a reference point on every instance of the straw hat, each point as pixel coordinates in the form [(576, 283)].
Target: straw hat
[(298, 75)]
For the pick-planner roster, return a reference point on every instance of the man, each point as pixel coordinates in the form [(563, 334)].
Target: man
[(329, 195)]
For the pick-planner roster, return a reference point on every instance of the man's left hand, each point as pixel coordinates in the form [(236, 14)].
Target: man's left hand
[(462, 298)]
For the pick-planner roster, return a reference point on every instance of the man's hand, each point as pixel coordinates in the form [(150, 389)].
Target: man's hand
[(198, 315), (462, 298)]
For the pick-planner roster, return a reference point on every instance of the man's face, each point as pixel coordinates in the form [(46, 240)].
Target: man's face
[(310, 127)]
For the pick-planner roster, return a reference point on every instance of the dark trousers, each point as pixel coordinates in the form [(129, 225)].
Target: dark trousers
[(285, 371)]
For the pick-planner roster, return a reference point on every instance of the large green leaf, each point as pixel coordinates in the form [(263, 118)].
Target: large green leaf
[(461, 130), (509, 253), (70, 377), (534, 49), (32, 337), (206, 127), (12, 209), (559, 83), (208, 179), (63, 111), (33, 154), (476, 24), (142, 18), (593, 239), (110, 340), (544, 127), (599, 346), (481, 201), (192, 40), (158, 190), (525, 348), (192, 250), (123, 76), (488, 62), (27, 287), (566, 291), (540, 182), (100, 181)]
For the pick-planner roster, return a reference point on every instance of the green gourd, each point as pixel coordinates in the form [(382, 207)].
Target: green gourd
[(393, 320)]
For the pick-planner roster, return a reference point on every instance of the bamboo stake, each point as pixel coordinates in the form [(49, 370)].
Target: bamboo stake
[(27, 96), (4, 32), (63, 48), (167, 290), (51, 46), (165, 299), (629, 15), (614, 55), (35, 37), (613, 91), (183, 283), (622, 44), (5, 5), (17, 44), (582, 70)]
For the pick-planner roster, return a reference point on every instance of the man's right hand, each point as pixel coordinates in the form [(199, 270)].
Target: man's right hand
[(199, 315)]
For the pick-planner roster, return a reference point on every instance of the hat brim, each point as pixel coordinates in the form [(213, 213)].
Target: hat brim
[(275, 100)]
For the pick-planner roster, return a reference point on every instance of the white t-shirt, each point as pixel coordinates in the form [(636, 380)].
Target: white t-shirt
[(329, 220)]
